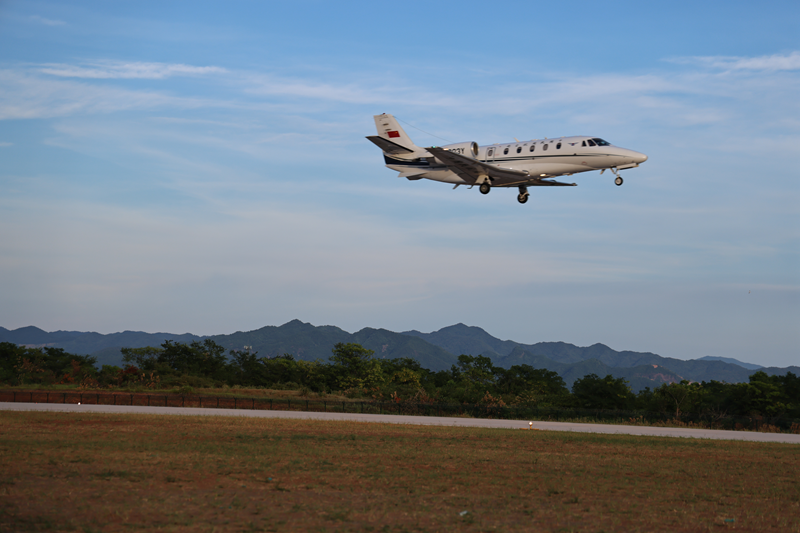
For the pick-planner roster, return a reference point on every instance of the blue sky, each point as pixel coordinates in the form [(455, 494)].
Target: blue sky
[(202, 167)]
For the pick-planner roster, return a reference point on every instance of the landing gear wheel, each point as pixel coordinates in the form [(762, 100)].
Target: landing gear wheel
[(618, 181), (485, 188), (522, 198)]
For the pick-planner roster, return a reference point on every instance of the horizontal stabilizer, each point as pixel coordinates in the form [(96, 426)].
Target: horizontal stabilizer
[(388, 146)]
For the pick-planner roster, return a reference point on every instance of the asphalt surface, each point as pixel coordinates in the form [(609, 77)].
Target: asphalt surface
[(416, 420)]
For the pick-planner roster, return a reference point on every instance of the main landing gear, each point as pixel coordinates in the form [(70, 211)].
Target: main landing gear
[(485, 187), (522, 197)]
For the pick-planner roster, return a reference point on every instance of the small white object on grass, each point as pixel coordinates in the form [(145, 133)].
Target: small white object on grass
[(530, 425)]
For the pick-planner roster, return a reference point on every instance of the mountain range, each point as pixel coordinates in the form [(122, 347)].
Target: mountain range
[(437, 350)]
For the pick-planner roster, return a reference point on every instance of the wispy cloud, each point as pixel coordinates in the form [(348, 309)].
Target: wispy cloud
[(26, 96), (360, 91), (4, 144), (123, 70), (773, 62), (688, 97), (47, 22)]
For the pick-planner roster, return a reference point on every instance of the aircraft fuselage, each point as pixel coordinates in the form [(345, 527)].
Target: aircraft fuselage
[(549, 158), (519, 164)]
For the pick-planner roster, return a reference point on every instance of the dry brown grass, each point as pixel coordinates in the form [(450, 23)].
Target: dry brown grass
[(93, 472)]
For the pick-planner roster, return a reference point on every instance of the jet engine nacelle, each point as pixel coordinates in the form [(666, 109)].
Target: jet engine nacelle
[(468, 149)]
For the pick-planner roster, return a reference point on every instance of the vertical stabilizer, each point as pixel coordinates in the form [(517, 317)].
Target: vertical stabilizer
[(389, 129)]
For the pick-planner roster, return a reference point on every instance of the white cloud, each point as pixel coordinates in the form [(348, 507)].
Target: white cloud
[(686, 98), (363, 91), (47, 22), (123, 70), (5, 144), (27, 96), (773, 62)]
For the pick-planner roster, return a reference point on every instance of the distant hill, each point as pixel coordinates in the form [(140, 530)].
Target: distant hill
[(304, 341), (474, 340), (33, 336), (469, 340), (104, 347), (437, 350), (749, 366), (390, 345), (309, 343), (638, 377)]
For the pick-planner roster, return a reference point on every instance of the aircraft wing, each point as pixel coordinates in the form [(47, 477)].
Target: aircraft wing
[(388, 146), (537, 182), (471, 169)]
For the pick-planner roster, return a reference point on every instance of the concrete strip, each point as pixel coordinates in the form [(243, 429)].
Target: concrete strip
[(416, 420)]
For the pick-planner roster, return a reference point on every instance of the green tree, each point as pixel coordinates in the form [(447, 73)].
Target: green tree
[(248, 369), (32, 368), (594, 392), (520, 379), (42, 365), (790, 387), (761, 396), (682, 397), (145, 358), (206, 359), (354, 366), (10, 356)]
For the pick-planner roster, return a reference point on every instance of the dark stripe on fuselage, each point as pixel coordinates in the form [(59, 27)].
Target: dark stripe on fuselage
[(418, 163), (405, 162), (503, 159)]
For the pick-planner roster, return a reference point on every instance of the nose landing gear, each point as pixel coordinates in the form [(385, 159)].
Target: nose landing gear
[(522, 197), (617, 180)]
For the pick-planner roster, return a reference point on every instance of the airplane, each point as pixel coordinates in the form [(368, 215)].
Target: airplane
[(519, 164)]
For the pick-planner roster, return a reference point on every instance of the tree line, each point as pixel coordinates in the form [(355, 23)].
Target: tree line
[(355, 371)]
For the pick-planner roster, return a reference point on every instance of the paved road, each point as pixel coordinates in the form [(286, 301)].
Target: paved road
[(417, 420)]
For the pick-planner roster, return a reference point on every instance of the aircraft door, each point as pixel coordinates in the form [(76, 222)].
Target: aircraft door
[(490, 153)]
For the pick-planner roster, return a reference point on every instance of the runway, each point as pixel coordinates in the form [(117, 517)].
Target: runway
[(415, 420)]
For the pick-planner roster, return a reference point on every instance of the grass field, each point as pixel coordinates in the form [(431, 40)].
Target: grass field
[(97, 472)]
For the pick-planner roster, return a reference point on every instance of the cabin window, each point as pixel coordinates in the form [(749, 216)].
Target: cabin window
[(558, 146), (533, 146), (584, 143), (505, 151), (601, 142), (490, 153), (519, 149), (591, 143), (545, 147)]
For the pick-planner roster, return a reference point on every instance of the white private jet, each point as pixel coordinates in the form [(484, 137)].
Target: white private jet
[(518, 164)]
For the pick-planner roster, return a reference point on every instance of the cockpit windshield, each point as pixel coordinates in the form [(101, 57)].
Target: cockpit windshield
[(601, 142)]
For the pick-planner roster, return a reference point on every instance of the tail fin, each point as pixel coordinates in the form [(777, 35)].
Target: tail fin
[(390, 130)]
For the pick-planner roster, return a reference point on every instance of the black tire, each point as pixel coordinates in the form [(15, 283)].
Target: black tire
[(485, 187), (522, 198), (618, 181)]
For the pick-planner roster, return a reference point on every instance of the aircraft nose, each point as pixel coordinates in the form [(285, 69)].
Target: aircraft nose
[(639, 158)]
